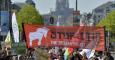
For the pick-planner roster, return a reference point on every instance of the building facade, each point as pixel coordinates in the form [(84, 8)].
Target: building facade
[(62, 14), (101, 11), (5, 17)]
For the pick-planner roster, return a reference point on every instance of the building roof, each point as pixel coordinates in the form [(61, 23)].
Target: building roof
[(19, 4), (30, 2), (103, 6)]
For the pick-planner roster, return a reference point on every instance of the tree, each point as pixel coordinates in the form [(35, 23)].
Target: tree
[(109, 22), (28, 14), (19, 48)]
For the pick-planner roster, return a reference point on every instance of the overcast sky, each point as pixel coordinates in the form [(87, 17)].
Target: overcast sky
[(44, 6)]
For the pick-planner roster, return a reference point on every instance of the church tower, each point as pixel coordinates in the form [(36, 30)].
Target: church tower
[(31, 2), (62, 5)]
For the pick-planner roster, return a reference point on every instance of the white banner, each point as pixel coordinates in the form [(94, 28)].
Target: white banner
[(15, 28)]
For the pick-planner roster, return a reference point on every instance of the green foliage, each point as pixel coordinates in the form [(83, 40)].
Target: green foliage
[(20, 48), (41, 54), (109, 21), (28, 14), (112, 39)]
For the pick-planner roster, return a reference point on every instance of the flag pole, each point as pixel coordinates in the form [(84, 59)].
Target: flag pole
[(24, 36), (11, 31), (105, 39)]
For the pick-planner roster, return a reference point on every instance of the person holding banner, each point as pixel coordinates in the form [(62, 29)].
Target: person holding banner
[(107, 56)]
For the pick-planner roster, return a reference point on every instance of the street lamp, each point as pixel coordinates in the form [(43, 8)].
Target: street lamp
[(58, 21), (0, 37)]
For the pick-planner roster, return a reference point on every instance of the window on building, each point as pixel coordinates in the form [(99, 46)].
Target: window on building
[(51, 20), (99, 10), (99, 16), (107, 10), (113, 5)]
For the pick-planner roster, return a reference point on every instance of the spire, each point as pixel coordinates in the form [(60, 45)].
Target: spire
[(76, 5), (62, 4), (67, 4)]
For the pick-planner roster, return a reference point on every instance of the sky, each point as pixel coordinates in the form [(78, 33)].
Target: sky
[(44, 6)]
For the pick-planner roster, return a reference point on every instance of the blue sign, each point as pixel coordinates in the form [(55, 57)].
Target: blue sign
[(5, 21)]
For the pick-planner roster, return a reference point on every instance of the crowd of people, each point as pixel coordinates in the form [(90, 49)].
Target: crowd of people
[(76, 55)]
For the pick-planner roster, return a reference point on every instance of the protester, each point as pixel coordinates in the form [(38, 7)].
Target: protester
[(107, 56), (84, 57), (94, 57), (76, 55), (100, 55)]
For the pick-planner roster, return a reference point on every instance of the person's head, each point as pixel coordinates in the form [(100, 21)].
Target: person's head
[(108, 53), (84, 54), (105, 52)]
